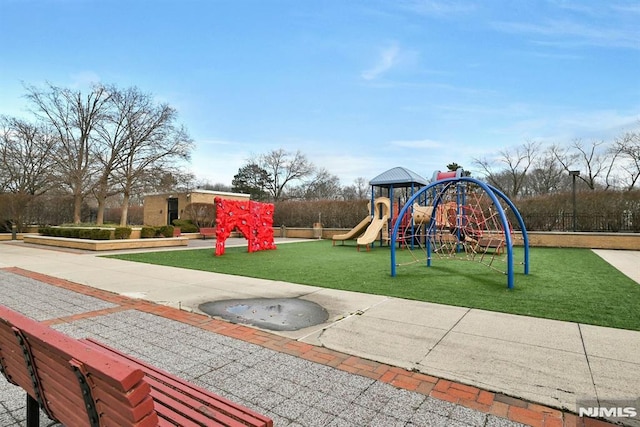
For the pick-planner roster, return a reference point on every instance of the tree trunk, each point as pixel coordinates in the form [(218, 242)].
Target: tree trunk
[(100, 213), (77, 207), (125, 209), (101, 196)]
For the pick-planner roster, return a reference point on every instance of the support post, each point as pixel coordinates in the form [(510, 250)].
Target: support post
[(33, 412), (573, 189)]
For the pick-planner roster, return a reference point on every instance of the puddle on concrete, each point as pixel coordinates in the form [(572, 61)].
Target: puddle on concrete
[(276, 314)]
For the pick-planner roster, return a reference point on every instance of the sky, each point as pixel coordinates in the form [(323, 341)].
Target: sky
[(358, 86)]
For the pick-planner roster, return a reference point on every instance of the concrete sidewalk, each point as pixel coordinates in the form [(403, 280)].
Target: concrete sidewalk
[(543, 361)]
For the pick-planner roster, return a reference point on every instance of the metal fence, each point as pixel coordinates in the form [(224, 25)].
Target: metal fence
[(626, 222)]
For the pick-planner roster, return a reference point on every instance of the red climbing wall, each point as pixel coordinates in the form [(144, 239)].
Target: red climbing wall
[(253, 219)]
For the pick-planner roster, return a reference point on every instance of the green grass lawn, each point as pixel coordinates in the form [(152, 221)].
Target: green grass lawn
[(565, 284)]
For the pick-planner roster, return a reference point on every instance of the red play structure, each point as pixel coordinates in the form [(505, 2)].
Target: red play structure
[(253, 219)]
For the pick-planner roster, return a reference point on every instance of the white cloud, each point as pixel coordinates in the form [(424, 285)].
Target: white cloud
[(387, 59), (629, 8), (598, 124), (565, 33)]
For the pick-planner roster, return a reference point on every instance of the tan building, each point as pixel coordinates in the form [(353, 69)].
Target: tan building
[(162, 209)]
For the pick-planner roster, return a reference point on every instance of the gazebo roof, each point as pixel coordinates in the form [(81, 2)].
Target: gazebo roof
[(398, 177)]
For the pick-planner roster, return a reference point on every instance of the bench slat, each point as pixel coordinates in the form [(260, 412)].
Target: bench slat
[(14, 363), (165, 385), (124, 390), (112, 407), (131, 406), (171, 402), (58, 379), (179, 399), (67, 403), (17, 369), (119, 376), (13, 359)]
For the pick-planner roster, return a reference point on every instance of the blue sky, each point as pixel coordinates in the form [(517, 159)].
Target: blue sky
[(359, 86)]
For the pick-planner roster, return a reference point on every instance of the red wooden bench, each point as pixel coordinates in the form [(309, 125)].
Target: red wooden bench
[(207, 232), (85, 383)]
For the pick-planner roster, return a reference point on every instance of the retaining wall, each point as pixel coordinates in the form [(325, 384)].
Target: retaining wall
[(626, 241)]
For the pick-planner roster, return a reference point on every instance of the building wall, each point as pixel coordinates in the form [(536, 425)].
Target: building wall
[(155, 210), (156, 205)]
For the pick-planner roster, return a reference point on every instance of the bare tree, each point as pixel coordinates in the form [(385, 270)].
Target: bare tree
[(201, 214), (628, 148), (25, 164), (25, 161), (322, 186), (592, 160), (113, 138), (284, 168), (518, 161), (359, 190), (73, 116), (153, 143), (546, 176)]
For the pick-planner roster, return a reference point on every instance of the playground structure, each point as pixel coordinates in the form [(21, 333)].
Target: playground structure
[(379, 222), (458, 217), (253, 219), (355, 232), (452, 216), (372, 226), (383, 207)]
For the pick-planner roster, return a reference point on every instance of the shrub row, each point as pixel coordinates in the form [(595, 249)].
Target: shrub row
[(122, 233), (330, 213), (151, 232), (105, 234), (77, 233), (185, 225), (595, 211)]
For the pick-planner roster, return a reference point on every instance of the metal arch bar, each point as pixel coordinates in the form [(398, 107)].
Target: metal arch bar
[(491, 192), (525, 235)]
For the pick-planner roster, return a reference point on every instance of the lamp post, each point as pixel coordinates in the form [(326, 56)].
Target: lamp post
[(573, 187)]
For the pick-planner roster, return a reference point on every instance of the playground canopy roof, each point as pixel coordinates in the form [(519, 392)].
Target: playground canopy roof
[(398, 177)]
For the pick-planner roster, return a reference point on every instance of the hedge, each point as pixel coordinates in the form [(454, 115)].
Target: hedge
[(596, 211), (186, 225), (76, 233), (148, 232), (330, 213), (122, 233)]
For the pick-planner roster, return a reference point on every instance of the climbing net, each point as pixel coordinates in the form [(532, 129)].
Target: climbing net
[(465, 225)]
